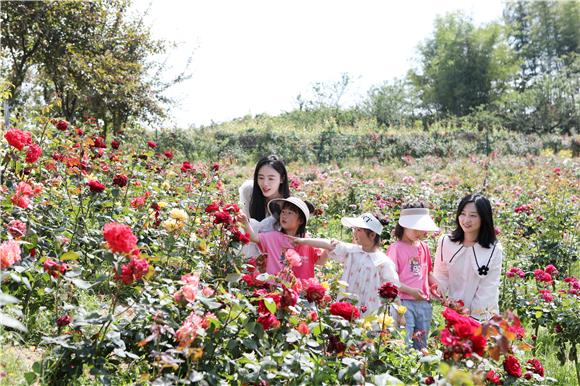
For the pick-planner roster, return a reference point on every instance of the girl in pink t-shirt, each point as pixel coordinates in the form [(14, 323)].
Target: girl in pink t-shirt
[(414, 266), (292, 217)]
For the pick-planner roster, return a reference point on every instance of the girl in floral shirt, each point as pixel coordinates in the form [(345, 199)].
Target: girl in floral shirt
[(366, 267)]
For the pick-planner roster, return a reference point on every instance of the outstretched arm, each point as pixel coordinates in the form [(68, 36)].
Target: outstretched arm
[(248, 228), (317, 243)]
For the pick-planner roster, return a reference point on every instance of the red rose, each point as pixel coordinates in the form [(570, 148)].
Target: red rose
[(120, 180), (151, 144), (493, 377), (547, 295), (135, 270), (115, 144), (315, 292), (95, 186), (186, 166), (388, 291), (213, 207), (289, 298), (512, 366), (222, 217), (62, 125), (54, 268), (241, 237), (447, 338), (345, 310), (119, 237), (479, 344), (535, 366), (335, 345), (268, 321), (18, 138), (99, 142), (168, 154), (429, 380), (232, 208), (17, 228), (551, 270), (33, 153), (64, 320)]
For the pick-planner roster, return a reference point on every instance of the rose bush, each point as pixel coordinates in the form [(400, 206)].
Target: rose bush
[(126, 264)]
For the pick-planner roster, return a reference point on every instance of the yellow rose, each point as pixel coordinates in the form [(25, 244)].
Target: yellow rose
[(162, 204), (178, 214), (385, 320), (171, 225), (401, 309)]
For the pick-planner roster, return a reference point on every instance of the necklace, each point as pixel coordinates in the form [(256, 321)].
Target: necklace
[(484, 269)]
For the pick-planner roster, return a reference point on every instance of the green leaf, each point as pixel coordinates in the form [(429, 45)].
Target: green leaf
[(80, 283), (70, 255), (316, 329), (293, 336), (30, 377), (9, 321), (270, 305), (233, 277), (7, 299), (312, 343)]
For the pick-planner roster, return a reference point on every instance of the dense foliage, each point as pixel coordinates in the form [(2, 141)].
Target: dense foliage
[(121, 264)]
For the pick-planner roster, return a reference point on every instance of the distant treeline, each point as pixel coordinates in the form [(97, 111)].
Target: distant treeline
[(334, 145)]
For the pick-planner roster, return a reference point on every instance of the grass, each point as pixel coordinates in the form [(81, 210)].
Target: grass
[(15, 362)]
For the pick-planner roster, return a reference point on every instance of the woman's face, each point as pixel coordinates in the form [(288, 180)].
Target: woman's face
[(469, 219), (269, 181)]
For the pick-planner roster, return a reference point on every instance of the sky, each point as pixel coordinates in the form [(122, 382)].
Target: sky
[(256, 56)]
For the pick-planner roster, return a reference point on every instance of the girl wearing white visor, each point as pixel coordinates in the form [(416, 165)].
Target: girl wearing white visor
[(414, 265), (366, 267)]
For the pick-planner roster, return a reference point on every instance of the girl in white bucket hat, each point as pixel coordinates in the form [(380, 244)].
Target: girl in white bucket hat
[(414, 267), (292, 215), (366, 267)]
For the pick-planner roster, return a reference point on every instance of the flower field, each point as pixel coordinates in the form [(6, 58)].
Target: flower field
[(120, 264)]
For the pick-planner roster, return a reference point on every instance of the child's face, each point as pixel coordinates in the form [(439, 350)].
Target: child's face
[(269, 181), (413, 235), (362, 237), (469, 219), (290, 218)]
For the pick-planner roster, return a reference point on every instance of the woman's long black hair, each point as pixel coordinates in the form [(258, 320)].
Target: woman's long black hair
[(258, 201), (486, 237)]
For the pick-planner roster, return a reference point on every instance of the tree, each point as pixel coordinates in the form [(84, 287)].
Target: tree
[(89, 55), (462, 67), (393, 104), (549, 104), (544, 35)]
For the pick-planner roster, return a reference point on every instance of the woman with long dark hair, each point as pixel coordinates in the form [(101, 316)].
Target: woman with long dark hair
[(468, 261), (270, 182)]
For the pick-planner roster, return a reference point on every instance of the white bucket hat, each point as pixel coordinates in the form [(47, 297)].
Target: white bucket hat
[(418, 219), (365, 221), (293, 200)]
